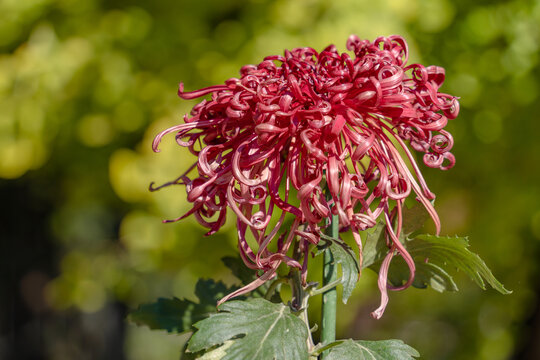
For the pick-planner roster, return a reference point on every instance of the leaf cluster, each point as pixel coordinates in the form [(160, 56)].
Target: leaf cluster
[(261, 327)]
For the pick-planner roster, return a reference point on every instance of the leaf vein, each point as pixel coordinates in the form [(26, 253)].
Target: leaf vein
[(269, 331), (366, 349)]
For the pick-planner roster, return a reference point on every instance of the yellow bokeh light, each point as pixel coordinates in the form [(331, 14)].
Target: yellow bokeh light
[(95, 130)]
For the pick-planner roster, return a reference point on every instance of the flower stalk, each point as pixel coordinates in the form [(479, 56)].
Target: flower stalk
[(329, 297), (300, 302)]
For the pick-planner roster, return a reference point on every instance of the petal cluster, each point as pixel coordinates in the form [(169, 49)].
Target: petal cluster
[(307, 135)]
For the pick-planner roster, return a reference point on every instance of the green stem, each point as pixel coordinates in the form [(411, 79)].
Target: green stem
[(329, 297), (325, 288), (304, 317), (300, 301), (273, 287)]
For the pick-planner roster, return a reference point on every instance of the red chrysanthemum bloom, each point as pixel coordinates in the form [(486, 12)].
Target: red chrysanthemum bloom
[(329, 125)]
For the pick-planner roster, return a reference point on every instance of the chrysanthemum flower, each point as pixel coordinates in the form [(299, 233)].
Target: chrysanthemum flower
[(327, 128)]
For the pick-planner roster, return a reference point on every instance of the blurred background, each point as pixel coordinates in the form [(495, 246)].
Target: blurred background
[(86, 84)]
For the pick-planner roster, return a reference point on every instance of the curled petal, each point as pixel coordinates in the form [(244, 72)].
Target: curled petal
[(451, 161), (433, 160), (268, 275), (442, 142), (186, 95), (382, 282)]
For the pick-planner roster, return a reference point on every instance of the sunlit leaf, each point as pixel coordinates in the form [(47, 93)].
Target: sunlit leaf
[(261, 330), (217, 353), (372, 350)]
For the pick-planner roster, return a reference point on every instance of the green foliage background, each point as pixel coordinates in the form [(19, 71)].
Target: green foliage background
[(86, 84)]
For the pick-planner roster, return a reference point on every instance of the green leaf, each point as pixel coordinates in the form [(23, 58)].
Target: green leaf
[(414, 218), (454, 252), (375, 248), (215, 354), (239, 269), (344, 255), (247, 275), (372, 350), (175, 315), (429, 274), (261, 330), (433, 257)]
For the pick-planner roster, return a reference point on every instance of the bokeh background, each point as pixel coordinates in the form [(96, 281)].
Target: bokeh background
[(86, 84)]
